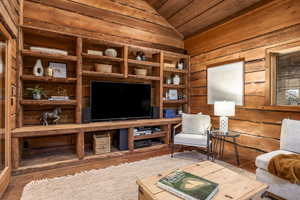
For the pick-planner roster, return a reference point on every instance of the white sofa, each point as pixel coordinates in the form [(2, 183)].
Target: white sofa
[(289, 143)]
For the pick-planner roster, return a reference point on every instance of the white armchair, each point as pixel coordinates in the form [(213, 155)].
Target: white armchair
[(289, 143), (195, 132)]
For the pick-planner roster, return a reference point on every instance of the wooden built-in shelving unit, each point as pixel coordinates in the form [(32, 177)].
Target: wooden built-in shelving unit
[(80, 73)]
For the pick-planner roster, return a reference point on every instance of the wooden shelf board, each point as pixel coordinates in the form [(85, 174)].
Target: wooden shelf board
[(63, 129), (174, 86), (170, 69), (144, 63), (47, 55), (47, 79), (175, 101), (47, 102), (101, 74), (107, 58), (158, 134), (154, 78)]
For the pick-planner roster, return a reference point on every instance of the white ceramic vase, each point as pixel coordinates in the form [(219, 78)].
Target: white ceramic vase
[(38, 69)]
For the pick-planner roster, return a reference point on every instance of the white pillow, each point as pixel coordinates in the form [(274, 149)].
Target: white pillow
[(195, 123)]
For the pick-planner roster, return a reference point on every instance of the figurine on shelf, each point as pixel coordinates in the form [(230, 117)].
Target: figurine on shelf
[(176, 79), (54, 116), (38, 69), (49, 71), (180, 64), (37, 92), (140, 56)]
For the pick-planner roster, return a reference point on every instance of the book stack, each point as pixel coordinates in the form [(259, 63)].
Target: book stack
[(188, 186), (59, 98)]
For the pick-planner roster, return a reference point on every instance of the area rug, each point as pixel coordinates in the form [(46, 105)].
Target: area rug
[(112, 183)]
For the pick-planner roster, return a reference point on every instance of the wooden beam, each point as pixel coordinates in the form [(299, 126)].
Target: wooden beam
[(79, 80), (15, 144), (80, 145), (130, 139)]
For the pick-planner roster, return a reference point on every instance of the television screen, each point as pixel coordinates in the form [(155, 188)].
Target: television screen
[(117, 101)]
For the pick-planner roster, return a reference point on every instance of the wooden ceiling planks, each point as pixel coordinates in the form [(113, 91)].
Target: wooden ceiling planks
[(193, 16), (127, 21)]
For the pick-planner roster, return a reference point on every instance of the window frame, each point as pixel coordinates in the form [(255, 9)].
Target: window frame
[(271, 61)]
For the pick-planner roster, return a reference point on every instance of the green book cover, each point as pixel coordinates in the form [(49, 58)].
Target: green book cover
[(188, 186)]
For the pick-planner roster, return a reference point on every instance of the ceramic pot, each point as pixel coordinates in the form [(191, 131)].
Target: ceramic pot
[(111, 52), (37, 96)]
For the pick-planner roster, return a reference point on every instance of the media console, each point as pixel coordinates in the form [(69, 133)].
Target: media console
[(79, 130)]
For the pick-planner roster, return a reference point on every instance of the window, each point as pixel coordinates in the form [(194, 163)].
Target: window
[(284, 63), (288, 79)]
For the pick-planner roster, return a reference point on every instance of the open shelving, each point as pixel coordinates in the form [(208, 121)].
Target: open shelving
[(80, 72)]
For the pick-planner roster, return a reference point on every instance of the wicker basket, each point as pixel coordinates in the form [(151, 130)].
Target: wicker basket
[(101, 143), (103, 68), (142, 72), (169, 65)]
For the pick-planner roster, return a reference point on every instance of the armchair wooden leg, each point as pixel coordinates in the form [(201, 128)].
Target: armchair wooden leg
[(172, 150)]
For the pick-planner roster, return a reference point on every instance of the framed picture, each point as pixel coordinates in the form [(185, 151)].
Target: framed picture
[(59, 69), (226, 83), (173, 94)]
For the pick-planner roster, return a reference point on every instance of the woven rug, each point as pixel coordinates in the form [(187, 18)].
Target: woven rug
[(112, 183)]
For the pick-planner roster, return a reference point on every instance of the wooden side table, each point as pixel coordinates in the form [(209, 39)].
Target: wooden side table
[(219, 143)]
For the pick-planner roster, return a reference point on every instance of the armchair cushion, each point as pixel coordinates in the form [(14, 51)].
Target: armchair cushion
[(191, 140), (195, 123), (263, 160), (290, 135)]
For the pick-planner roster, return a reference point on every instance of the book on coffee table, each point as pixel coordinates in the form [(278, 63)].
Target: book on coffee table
[(188, 186)]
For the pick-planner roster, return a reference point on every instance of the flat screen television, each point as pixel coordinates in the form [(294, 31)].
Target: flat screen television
[(120, 101)]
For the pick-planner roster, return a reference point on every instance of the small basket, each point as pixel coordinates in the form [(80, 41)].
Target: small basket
[(101, 143), (142, 72), (169, 65), (103, 68)]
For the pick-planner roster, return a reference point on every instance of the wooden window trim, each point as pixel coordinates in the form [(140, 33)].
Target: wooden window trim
[(270, 85)]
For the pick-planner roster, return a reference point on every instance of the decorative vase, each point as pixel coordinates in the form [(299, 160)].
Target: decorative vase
[(36, 96), (38, 69), (176, 79), (180, 66), (169, 80), (111, 52)]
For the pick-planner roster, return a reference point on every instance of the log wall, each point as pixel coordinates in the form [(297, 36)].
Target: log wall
[(247, 37)]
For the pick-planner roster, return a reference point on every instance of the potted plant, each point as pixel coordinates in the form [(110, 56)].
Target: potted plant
[(36, 92)]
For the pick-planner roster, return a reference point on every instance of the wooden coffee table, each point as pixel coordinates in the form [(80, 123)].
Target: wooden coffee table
[(232, 186)]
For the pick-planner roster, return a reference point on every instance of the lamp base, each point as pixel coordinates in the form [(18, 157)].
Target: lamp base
[(223, 124)]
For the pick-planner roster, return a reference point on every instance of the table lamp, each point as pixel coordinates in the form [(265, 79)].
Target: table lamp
[(224, 109)]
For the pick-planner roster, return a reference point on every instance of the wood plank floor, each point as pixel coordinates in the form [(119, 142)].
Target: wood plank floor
[(15, 189)]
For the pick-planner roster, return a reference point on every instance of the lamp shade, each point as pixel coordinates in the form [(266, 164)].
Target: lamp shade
[(224, 108)]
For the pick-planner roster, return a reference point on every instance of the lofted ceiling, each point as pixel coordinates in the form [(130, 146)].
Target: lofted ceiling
[(193, 16)]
